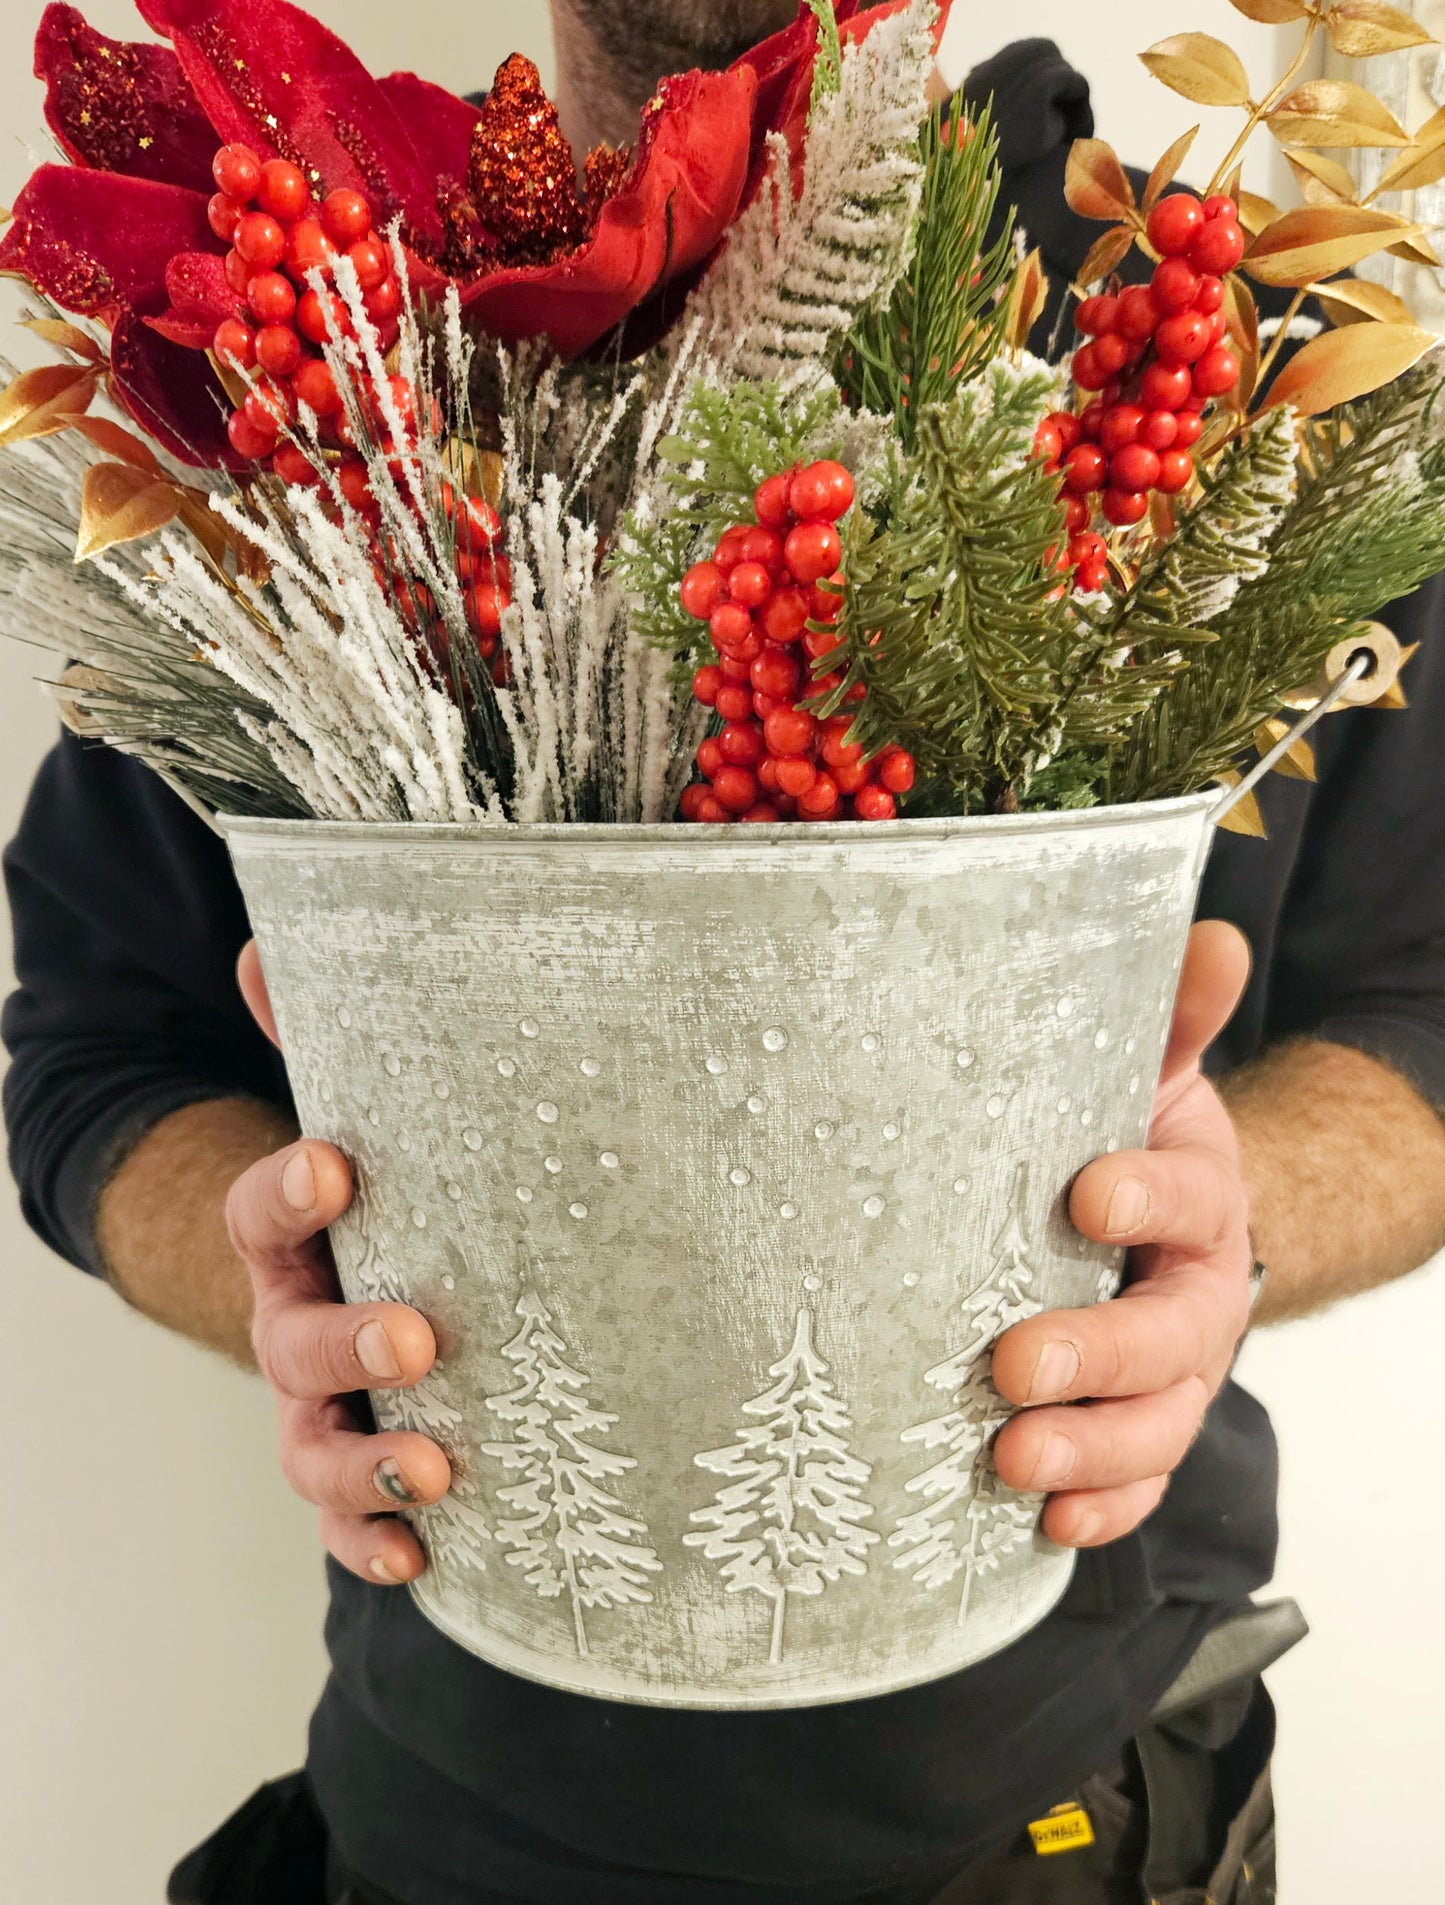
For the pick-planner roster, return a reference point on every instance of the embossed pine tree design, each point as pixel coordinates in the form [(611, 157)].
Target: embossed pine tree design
[(567, 1531), (790, 1519), (967, 1521)]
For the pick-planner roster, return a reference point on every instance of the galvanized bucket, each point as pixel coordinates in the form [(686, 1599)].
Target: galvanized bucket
[(719, 1159)]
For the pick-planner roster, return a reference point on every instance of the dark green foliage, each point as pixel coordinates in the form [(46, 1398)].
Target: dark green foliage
[(947, 319)]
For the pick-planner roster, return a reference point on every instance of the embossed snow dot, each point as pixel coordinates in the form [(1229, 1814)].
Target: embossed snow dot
[(892, 1131), (1131, 1045), (343, 1018), (507, 1067), (961, 1186), (1066, 1105), (373, 1116), (391, 1064), (472, 1138), (403, 1143), (554, 1165), (590, 1067), (823, 1130), (812, 1285), (1086, 1117), (1134, 1086), (775, 1039), (449, 1283), (529, 1028), (717, 1066), (442, 1088), (996, 1107), (418, 1217), (454, 1192), (1065, 1008), (872, 1042), (524, 1196), (966, 1059), (579, 1211), (548, 1112), (610, 1161), (1101, 1039), (740, 1178), (874, 1207), (757, 1106), (789, 1211), (912, 1280)]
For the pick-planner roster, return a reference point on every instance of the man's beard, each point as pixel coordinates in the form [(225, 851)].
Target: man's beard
[(670, 35)]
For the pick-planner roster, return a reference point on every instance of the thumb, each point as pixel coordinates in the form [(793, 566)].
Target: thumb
[(1216, 972), (252, 982)]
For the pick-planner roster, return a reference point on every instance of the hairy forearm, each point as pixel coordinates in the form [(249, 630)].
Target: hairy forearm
[(1345, 1164), (162, 1220)]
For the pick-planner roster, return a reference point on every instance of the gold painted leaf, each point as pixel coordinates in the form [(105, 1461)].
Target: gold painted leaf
[(1256, 213), (1416, 249), (1028, 300), (1270, 12), (1299, 763), (65, 337), (1317, 241), (122, 444), (1360, 29), (1095, 182), (1358, 301), (1243, 316), (119, 504), (1337, 113), (1106, 254), (1245, 816), (1322, 181), (1340, 366), (1415, 168), (1168, 169), (43, 402), (1201, 68)]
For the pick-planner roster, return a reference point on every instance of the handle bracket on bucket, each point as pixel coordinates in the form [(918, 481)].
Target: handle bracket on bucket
[(1364, 664)]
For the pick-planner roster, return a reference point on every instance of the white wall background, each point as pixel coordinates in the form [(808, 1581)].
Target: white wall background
[(160, 1592)]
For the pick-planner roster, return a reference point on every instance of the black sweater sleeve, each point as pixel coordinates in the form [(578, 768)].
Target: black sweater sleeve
[(127, 923)]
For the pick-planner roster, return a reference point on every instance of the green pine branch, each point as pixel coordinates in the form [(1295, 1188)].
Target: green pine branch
[(948, 317)]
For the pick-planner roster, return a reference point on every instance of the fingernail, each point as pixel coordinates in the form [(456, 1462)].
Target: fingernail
[(381, 1572), (391, 1484), (375, 1353), (298, 1183), (1056, 1371), (1088, 1529), (1128, 1207), (1056, 1462)]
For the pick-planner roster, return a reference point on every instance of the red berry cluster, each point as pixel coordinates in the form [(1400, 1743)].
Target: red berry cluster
[(277, 234), (1156, 356), (771, 597)]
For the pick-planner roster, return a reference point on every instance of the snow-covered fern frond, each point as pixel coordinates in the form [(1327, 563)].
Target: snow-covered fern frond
[(802, 265)]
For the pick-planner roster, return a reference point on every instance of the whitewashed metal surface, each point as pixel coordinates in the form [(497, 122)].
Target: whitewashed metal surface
[(719, 1159)]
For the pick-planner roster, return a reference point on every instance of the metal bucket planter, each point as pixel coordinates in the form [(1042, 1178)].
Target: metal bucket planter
[(719, 1160)]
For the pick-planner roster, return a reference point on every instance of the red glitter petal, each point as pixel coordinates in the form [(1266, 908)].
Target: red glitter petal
[(523, 172)]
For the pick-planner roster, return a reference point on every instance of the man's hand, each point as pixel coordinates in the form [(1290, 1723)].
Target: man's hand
[(1148, 1365), (315, 1353)]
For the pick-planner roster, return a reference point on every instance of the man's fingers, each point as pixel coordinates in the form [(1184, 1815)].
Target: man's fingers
[(1095, 1517), (1216, 972), (1176, 1324), (1102, 1445), (384, 1552), (252, 982), (334, 1465), (280, 1205), (1188, 1198), (314, 1348)]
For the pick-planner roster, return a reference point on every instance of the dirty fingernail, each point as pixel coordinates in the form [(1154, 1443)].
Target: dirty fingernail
[(391, 1484), (381, 1572), (1128, 1207), (375, 1353), (1056, 1371), (1089, 1527), (298, 1183), (1056, 1462)]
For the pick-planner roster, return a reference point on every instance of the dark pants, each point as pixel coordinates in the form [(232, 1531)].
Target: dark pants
[(1186, 1818)]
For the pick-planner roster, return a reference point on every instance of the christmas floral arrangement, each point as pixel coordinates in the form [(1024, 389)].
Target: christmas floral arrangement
[(425, 474)]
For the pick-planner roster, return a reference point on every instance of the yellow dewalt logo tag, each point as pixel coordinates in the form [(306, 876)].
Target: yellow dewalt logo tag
[(1067, 1829)]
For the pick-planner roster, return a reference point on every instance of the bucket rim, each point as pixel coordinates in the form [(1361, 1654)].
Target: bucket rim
[(735, 837)]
